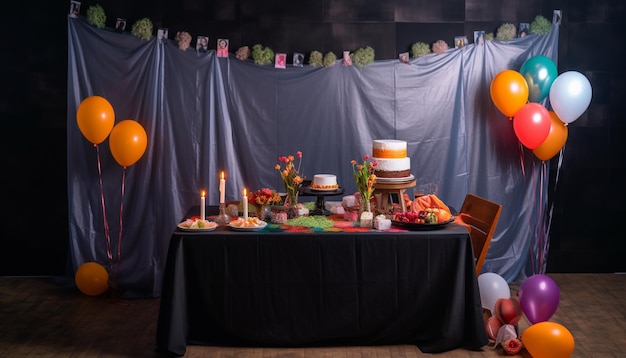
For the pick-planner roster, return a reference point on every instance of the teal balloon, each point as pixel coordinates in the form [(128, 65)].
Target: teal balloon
[(539, 72)]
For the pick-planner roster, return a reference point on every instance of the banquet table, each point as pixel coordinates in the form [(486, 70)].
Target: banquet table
[(303, 288)]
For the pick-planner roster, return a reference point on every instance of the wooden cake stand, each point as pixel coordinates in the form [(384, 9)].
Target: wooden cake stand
[(387, 188)]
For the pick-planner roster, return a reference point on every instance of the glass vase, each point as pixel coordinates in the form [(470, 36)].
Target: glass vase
[(366, 217)]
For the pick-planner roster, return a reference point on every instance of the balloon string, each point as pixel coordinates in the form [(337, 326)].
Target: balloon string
[(521, 158), (119, 238), (542, 237), (104, 211)]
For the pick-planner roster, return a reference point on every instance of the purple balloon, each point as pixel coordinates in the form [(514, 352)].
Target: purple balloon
[(539, 298)]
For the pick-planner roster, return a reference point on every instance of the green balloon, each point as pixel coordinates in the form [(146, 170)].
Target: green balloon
[(539, 72)]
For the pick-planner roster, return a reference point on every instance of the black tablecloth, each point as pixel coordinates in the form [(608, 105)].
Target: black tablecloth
[(283, 289)]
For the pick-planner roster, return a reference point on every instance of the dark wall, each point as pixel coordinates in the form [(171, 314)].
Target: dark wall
[(586, 189)]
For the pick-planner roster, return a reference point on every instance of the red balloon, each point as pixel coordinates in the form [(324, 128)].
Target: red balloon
[(508, 310), (509, 91), (532, 124), (128, 142), (492, 327)]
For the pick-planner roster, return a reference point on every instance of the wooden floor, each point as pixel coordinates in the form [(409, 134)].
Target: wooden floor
[(44, 318)]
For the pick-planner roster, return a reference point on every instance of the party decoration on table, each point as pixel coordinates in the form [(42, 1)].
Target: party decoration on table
[(539, 72), (92, 279), (262, 198), (95, 118), (531, 124), (548, 340), (365, 180), (539, 298), (509, 92), (556, 139), (128, 142), (492, 287), (363, 56), (291, 177), (202, 206), (570, 95)]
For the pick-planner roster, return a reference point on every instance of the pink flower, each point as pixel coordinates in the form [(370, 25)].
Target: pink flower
[(512, 346)]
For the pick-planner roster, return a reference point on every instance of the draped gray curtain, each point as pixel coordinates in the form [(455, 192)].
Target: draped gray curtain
[(205, 114)]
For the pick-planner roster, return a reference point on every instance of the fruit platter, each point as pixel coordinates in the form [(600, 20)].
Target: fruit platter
[(425, 213), (197, 225), (247, 224)]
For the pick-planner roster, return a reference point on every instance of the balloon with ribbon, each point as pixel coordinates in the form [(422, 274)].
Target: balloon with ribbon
[(539, 72), (128, 142), (95, 118), (548, 340), (532, 124), (570, 95), (92, 279), (539, 298), (509, 92), (556, 139)]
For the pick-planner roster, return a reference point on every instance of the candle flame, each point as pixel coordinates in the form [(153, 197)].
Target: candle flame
[(222, 174), (245, 192), (203, 193)]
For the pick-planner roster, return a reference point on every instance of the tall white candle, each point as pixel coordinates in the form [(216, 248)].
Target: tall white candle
[(222, 188), (244, 201), (202, 206)]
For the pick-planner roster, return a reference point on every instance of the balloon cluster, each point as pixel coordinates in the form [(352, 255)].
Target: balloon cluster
[(538, 300), (517, 94), (127, 139)]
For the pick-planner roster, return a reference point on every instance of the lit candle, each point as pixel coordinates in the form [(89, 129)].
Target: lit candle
[(202, 204), (222, 188), (244, 201)]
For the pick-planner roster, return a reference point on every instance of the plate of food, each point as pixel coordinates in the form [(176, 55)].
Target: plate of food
[(249, 224), (424, 220), (197, 225)]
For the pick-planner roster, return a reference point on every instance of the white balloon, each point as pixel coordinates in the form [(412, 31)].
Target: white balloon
[(570, 95), (492, 287)]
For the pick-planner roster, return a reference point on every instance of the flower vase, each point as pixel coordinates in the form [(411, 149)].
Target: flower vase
[(291, 205), (366, 217)]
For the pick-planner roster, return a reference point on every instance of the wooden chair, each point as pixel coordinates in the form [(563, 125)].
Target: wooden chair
[(481, 217)]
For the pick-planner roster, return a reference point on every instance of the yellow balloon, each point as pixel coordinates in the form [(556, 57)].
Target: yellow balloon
[(509, 92), (95, 118), (555, 141), (548, 340), (92, 279), (128, 142)]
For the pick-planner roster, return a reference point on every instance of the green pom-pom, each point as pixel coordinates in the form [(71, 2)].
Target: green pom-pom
[(506, 32), (262, 55), (363, 56), (540, 26), (142, 28), (316, 59), (96, 16), (330, 59), (420, 49)]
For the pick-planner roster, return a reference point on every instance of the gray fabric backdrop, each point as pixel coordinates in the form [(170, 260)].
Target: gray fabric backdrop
[(204, 114)]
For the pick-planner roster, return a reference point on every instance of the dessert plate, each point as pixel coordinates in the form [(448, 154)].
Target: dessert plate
[(415, 226), (395, 180)]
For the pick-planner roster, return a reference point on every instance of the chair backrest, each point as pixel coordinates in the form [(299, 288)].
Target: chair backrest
[(481, 216)]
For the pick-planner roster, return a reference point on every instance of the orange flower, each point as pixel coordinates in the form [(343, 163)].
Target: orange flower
[(290, 176)]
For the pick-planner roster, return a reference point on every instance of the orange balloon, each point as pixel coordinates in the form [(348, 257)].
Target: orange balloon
[(128, 142), (556, 138), (509, 92), (95, 118), (548, 340), (92, 279)]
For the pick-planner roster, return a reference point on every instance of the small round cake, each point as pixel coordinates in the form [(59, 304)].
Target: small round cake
[(324, 182)]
